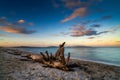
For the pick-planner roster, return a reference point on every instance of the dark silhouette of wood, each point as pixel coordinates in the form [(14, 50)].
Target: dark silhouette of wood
[(68, 58), (62, 56), (47, 55), (56, 60), (44, 57)]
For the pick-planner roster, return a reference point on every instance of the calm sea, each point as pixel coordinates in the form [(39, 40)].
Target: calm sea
[(102, 55)]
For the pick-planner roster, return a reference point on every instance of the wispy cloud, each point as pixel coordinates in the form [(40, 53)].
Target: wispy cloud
[(80, 12), (106, 17), (78, 31), (16, 30), (102, 18), (114, 29), (3, 20), (71, 3), (80, 8), (21, 21), (14, 27), (95, 25), (111, 30), (91, 37), (82, 31), (78, 3)]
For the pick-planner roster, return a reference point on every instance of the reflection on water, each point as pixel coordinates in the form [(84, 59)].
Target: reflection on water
[(105, 55)]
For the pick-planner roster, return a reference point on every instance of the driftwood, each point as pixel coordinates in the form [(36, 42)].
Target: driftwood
[(56, 60)]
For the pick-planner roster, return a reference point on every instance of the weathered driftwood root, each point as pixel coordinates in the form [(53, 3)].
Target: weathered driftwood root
[(56, 60)]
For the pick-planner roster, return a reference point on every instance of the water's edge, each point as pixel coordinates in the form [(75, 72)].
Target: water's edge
[(109, 56)]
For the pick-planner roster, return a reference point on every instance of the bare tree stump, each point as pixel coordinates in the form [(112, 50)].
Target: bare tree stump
[(56, 60)]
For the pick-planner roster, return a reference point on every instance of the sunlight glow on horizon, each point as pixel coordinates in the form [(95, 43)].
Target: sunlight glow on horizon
[(55, 41), (42, 24)]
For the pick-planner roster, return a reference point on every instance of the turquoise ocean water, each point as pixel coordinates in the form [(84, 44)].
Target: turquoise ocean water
[(102, 55)]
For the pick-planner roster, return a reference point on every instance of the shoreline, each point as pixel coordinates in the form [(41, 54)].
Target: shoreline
[(101, 62), (97, 61), (81, 69)]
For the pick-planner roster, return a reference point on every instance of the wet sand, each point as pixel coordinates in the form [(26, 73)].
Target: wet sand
[(15, 67)]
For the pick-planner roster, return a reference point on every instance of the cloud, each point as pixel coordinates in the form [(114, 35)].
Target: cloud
[(15, 27), (78, 3), (80, 8), (103, 32), (16, 30), (95, 25), (71, 3), (91, 37), (106, 17), (21, 21), (80, 12), (103, 18), (115, 28), (78, 31), (81, 31), (111, 30), (3, 20)]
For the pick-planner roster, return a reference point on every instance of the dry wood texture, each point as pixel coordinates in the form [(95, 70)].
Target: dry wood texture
[(56, 60)]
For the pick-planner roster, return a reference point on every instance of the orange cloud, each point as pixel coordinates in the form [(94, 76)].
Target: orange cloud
[(15, 27), (16, 30), (78, 31), (78, 3), (78, 12), (10, 29), (72, 3)]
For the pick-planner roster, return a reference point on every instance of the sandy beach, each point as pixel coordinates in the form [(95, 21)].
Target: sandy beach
[(15, 67)]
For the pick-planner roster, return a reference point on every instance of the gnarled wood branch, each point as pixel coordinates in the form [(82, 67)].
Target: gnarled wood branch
[(56, 60)]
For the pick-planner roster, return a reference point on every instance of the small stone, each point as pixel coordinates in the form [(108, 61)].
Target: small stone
[(33, 68)]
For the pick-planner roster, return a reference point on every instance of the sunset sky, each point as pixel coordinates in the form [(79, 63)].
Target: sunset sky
[(51, 22)]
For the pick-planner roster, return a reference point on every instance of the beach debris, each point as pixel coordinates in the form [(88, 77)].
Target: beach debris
[(56, 60)]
